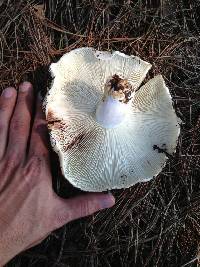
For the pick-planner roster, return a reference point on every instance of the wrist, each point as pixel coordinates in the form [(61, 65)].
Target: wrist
[(4, 259), (7, 252)]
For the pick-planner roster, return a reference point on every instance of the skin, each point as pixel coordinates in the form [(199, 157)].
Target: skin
[(30, 209)]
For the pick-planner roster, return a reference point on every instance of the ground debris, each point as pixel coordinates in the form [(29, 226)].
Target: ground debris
[(152, 224)]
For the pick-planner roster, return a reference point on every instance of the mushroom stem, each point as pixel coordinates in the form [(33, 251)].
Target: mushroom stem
[(118, 94)]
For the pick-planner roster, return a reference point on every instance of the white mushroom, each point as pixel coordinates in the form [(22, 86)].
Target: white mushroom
[(107, 134)]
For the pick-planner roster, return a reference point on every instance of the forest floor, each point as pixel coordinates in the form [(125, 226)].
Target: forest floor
[(152, 224)]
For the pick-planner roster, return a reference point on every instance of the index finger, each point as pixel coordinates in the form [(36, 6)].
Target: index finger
[(39, 141)]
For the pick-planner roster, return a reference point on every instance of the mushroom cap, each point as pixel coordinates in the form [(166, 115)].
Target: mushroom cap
[(92, 157)]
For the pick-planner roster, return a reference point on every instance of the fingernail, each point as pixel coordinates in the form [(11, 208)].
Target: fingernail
[(25, 86), (8, 92), (107, 201)]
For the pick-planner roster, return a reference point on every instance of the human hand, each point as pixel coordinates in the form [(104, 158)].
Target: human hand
[(29, 208)]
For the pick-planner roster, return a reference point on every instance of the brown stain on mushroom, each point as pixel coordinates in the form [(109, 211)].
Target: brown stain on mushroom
[(162, 149), (75, 142), (54, 122), (50, 116), (149, 162), (123, 178), (80, 141), (56, 125)]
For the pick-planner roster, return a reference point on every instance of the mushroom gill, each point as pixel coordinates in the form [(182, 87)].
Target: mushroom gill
[(108, 132)]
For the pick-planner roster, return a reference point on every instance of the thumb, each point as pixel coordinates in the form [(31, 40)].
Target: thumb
[(74, 208)]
